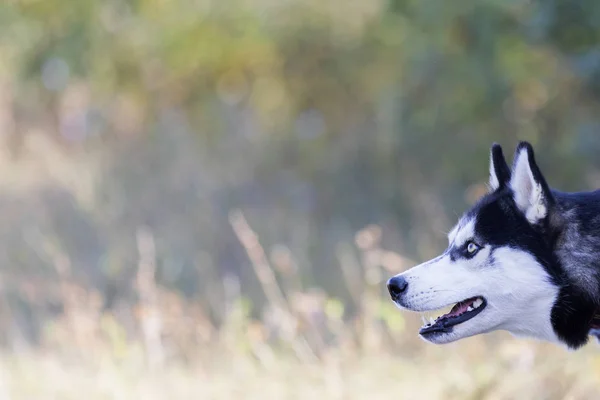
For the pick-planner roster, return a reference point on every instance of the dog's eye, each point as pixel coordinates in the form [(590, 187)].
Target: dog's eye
[(472, 248)]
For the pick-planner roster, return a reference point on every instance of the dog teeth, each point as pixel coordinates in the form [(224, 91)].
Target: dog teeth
[(470, 308), (426, 322), (477, 303)]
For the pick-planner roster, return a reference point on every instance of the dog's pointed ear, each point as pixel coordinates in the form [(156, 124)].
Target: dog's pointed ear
[(530, 190), (499, 170)]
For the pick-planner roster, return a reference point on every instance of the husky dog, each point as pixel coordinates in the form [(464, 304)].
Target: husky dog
[(525, 259)]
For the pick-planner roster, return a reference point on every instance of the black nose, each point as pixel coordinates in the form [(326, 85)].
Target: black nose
[(396, 286)]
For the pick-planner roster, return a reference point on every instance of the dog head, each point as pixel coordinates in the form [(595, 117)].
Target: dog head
[(498, 272)]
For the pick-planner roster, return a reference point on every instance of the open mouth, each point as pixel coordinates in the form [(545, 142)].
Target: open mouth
[(461, 312)]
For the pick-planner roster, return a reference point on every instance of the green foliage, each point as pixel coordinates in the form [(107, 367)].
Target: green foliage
[(313, 118), (296, 109)]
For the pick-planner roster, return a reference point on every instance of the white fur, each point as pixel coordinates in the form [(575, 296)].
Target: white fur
[(462, 232), (516, 287), (494, 182), (528, 193), (452, 234)]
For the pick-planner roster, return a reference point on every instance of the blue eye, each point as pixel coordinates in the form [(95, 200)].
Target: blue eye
[(472, 248)]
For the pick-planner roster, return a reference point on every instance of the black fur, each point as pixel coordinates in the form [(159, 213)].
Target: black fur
[(500, 167), (566, 242)]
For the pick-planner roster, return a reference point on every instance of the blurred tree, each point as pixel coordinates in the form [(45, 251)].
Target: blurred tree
[(316, 118)]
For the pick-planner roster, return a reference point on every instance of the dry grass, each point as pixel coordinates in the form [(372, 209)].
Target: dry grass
[(305, 346), (475, 369)]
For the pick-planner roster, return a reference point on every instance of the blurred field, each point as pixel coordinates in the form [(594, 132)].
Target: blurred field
[(165, 347), (302, 349), (511, 371), (202, 199)]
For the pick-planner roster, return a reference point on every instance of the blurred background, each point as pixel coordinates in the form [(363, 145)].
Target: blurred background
[(203, 199)]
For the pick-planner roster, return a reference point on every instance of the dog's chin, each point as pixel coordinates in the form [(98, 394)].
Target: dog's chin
[(441, 337), (479, 324), (456, 334), (463, 320)]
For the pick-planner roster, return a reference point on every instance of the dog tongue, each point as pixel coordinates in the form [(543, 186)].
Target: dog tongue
[(459, 308)]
